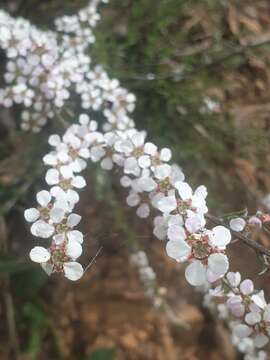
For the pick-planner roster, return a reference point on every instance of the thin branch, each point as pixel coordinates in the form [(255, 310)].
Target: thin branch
[(92, 261), (246, 240)]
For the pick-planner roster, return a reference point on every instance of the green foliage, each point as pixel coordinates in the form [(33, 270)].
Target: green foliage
[(35, 319), (31, 317), (11, 265), (149, 38), (27, 283), (101, 354), (164, 53)]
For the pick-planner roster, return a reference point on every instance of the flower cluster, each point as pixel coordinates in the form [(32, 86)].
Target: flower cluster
[(148, 278), (53, 218), (245, 311), (43, 69)]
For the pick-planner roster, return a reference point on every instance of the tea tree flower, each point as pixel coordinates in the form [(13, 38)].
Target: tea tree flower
[(204, 252)]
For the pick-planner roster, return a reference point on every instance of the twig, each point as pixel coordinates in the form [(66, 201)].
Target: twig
[(93, 259), (246, 240)]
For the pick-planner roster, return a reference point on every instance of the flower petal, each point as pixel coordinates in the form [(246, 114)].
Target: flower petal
[(133, 199), (253, 318), (165, 154), (57, 215), (47, 267), (194, 223), (261, 340), (75, 235), (246, 287), (196, 273), (73, 249), (218, 264), (43, 198), (184, 190), (162, 171), (176, 232), (39, 254), (52, 177), (73, 270), (73, 220), (42, 229), (150, 148), (242, 331), (78, 182), (144, 161), (234, 278), (266, 314), (219, 236), (259, 299), (237, 224), (167, 204), (31, 214), (143, 211), (106, 163), (178, 250)]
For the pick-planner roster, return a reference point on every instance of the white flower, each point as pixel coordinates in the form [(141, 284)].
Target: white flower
[(257, 326), (43, 198), (202, 250), (243, 297), (194, 200), (134, 199), (255, 222)]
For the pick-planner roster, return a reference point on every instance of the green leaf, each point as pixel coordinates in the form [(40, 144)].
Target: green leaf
[(34, 313), (27, 283), (36, 320), (11, 265), (101, 354)]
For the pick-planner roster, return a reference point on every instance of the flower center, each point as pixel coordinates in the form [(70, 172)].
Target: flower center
[(73, 153), (45, 212), (183, 206), (61, 228), (164, 185), (58, 257), (261, 328), (200, 247), (201, 250), (65, 184), (137, 152)]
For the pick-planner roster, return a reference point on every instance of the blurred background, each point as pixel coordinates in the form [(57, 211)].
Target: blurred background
[(201, 73)]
